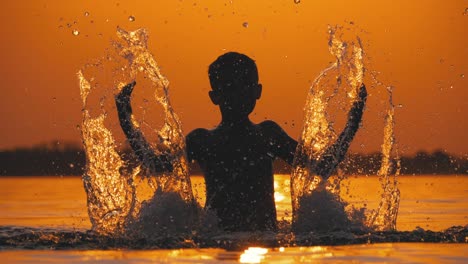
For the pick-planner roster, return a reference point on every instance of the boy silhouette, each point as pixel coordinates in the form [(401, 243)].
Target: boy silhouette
[(237, 156)]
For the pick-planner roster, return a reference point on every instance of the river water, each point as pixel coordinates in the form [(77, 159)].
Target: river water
[(38, 214)]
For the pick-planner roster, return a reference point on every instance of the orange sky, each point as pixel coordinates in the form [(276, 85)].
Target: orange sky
[(419, 47)]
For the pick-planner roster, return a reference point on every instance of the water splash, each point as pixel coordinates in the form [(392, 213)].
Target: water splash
[(115, 205), (309, 193), (384, 218), (110, 194), (316, 203), (171, 139)]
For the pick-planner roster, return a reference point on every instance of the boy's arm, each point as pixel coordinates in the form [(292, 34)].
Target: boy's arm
[(135, 137), (336, 153)]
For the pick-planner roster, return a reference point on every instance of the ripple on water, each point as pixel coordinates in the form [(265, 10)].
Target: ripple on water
[(15, 237)]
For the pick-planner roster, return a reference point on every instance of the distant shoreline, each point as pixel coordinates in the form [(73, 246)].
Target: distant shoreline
[(69, 159)]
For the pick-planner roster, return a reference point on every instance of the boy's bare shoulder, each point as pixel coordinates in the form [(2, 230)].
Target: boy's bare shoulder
[(196, 142), (198, 134), (270, 126)]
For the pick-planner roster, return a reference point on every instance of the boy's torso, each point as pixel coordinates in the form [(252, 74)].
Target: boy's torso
[(237, 165)]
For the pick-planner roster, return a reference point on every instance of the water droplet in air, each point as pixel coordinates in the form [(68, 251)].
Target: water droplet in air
[(400, 105), (75, 32), (131, 18), (245, 24), (466, 12), (462, 75), (297, 1), (86, 13)]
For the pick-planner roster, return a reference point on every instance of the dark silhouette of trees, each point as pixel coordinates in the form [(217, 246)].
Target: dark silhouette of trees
[(45, 159), (58, 158)]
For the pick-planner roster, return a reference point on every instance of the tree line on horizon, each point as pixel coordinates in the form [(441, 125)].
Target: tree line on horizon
[(69, 159)]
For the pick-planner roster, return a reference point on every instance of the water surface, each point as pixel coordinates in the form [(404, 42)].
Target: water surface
[(434, 202), (367, 253), (42, 213)]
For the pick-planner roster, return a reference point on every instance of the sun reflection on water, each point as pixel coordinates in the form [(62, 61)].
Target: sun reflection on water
[(253, 255)]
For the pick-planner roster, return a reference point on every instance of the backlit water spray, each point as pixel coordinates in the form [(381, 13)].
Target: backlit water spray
[(316, 203), (384, 218), (114, 205)]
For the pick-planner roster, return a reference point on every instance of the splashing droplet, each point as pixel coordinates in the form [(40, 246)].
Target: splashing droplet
[(75, 32), (245, 24), (131, 18), (86, 14)]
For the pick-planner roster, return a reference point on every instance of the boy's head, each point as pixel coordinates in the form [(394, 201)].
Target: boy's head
[(230, 68), (234, 83)]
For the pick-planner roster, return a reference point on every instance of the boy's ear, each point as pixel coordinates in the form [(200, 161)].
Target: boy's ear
[(214, 96), (258, 92)]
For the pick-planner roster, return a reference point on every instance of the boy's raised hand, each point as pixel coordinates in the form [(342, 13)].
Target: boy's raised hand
[(126, 91), (362, 93)]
